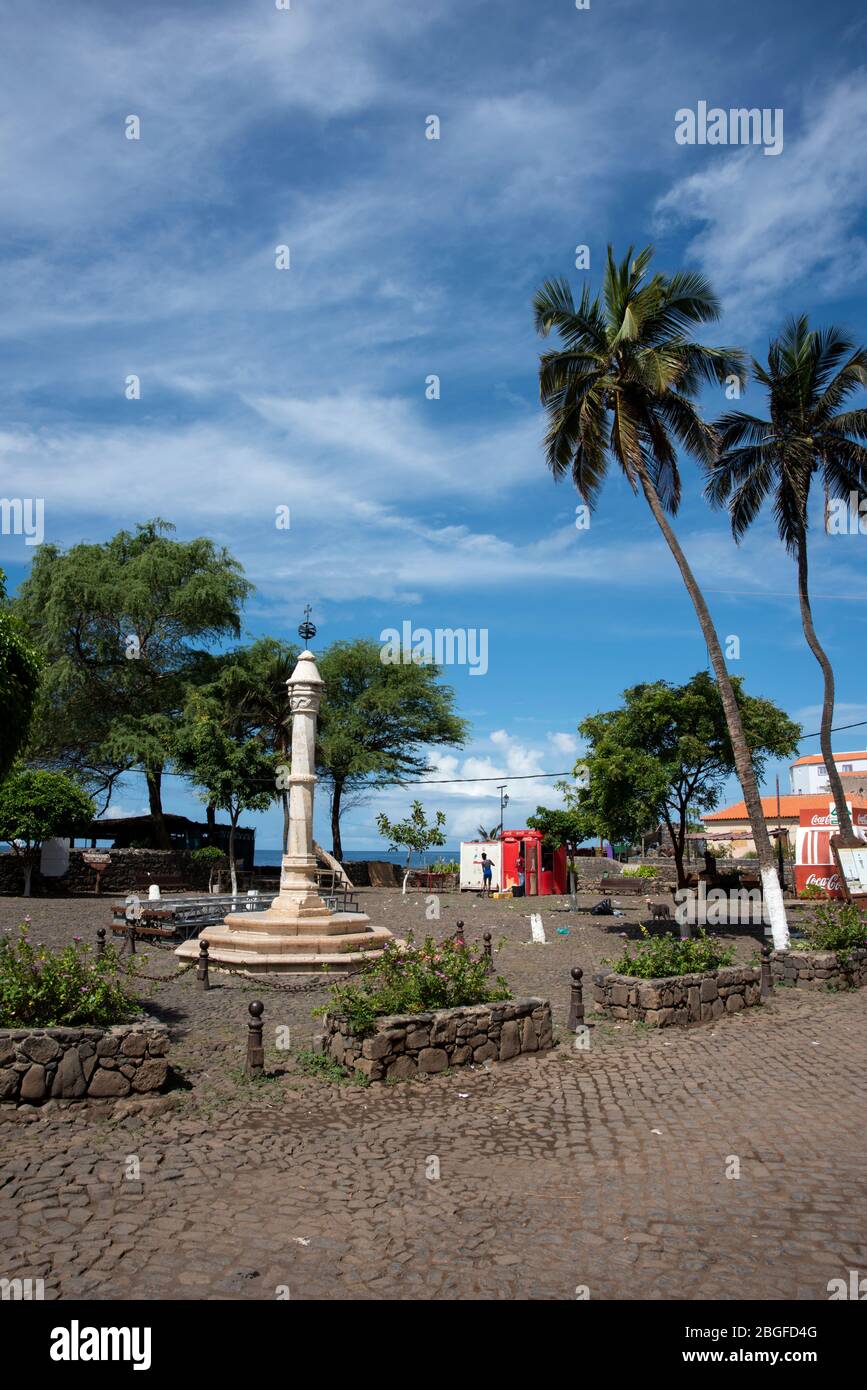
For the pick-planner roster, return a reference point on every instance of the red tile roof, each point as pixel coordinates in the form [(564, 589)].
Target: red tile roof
[(814, 758), (789, 807)]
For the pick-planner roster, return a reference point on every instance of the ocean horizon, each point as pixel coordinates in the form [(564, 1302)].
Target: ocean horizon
[(272, 856)]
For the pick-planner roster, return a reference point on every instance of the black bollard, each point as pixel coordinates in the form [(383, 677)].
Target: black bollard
[(767, 977), (255, 1063), (459, 935), (576, 1001), (100, 942), (130, 936), (202, 967), (489, 953)]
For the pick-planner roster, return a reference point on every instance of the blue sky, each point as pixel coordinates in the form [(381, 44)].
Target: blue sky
[(410, 257)]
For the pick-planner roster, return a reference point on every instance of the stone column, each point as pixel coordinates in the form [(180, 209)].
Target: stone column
[(299, 893)]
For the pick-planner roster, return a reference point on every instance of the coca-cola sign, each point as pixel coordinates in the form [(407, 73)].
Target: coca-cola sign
[(831, 884)]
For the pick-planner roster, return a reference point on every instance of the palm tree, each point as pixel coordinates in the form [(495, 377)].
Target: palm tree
[(621, 388), (809, 375)]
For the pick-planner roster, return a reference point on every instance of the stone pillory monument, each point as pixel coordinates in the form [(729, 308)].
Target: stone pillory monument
[(298, 933)]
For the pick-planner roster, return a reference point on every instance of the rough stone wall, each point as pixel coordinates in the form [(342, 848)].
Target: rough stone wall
[(820, 969), (678, 999), (405, 1045), (39, 1064), (130, 870)]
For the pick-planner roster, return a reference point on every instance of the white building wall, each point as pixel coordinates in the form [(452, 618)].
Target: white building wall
[(811, 779)]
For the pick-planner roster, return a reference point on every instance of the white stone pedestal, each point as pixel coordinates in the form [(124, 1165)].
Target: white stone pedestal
[(297, 933)]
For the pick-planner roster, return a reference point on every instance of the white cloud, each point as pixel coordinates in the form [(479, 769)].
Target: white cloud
[(771, 224)]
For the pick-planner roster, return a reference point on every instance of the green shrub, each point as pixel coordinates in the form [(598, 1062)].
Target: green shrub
[(812, 892), (40, 988), (658, 956), (414, 979), (445, 866), (209, 854), (836, 926), (641, 871)]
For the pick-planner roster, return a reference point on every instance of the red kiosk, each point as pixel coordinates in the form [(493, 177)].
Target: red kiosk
[(545, 871), (815, 866)]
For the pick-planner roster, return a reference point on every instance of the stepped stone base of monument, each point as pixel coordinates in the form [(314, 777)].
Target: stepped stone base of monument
[(340, 942)]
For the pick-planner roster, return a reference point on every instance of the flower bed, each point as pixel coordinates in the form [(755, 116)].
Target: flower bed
[(698, 997), (411, 979), (834, 955), (399, 1047), (846, 969), (39, 1064)]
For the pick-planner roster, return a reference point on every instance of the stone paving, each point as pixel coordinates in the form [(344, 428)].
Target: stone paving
[(600, 1170)]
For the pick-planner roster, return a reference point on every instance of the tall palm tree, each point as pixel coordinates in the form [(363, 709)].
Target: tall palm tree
[(809, 376), (620, 388)]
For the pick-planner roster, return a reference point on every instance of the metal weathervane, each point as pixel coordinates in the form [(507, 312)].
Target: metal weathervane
[(307, 630)]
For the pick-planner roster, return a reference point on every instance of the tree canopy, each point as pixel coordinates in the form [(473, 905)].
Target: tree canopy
[(125, 627), (376, 721), (36, 806), (667, 751), (19, 683)]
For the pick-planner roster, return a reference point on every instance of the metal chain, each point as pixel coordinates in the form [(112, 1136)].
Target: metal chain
[(307, 987)]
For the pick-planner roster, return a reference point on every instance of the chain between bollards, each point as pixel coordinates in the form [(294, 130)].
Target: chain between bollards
[(576, 1001), (767, 977), (255, 1061), (202, 966)]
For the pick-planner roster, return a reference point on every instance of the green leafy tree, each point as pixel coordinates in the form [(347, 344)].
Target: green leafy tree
[(125, 627), (253, 682), (415, 834), (36, 806), (376, 722), (227, 761), (809, 377), (19, 683), (621, 388), (667, 751)]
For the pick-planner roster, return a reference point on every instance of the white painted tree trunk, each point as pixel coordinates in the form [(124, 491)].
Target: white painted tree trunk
[(774, 909)]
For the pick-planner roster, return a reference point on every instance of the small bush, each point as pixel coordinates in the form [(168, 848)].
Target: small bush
[(836, 927), (209, 854), (641, 871), (414, 979), (40, 988), (658, 956), (812, 892)]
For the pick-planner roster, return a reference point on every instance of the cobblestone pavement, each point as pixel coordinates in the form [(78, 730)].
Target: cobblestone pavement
[(604, 1169)]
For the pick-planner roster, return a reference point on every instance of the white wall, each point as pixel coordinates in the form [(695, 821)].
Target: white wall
[(812, 778)]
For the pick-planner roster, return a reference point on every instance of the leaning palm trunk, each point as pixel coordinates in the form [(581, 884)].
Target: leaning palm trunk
[(844, 820), (772, 893)]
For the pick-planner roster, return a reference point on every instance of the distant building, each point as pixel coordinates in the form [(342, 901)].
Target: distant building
[(731, 824), (137, 832), (809, 776)]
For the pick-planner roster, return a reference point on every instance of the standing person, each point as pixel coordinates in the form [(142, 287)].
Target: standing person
[(487, 874), (519, 866)]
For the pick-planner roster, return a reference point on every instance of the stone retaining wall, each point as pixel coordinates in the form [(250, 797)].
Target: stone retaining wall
[(406, 1045), (129, 871), (678, 999), (820, 969), (39, 1064)]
